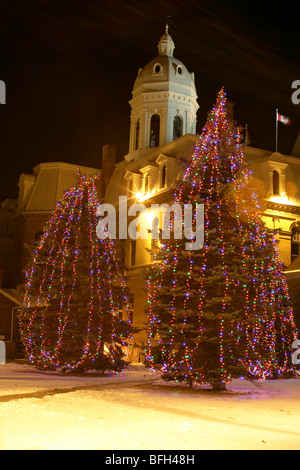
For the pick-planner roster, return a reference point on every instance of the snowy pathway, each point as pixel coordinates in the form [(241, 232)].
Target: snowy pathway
[(135, 411)]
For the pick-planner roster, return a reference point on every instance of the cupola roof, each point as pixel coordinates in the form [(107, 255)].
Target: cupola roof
[(166, 44), (165, 72)]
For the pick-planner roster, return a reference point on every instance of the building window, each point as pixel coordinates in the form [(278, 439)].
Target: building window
[(137, 134), (154, 130), (179, 70), (295, 243), (163, 176), (146, 183), (276, 191), (177, 127), (157, 68), (133, 253)]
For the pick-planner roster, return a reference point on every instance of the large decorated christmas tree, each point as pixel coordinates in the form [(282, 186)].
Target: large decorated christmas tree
[(75, 292), (223, 310)]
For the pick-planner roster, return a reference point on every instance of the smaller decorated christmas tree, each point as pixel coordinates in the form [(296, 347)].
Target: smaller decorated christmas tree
[(223, 310), (75, 294)]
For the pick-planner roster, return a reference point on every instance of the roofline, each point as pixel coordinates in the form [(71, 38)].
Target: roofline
[(64, 165), (268, 154), (10, 297)]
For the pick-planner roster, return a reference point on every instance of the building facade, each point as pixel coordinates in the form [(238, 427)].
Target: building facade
[(162, 133)]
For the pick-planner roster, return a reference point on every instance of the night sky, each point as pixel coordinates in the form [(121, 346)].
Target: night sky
[(69, 68)]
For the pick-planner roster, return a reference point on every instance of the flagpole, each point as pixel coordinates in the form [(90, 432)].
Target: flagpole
[(276, 130)]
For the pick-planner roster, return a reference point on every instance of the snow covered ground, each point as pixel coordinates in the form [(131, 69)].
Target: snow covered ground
[(138, 411)]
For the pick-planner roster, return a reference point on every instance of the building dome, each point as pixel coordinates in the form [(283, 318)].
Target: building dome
[(164, 101), (164, 71)]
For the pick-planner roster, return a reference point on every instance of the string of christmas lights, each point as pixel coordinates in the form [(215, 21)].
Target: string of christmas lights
[(221, 311), (75, 292)]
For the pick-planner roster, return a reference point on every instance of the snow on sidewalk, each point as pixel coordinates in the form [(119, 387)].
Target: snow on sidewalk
[(151, 416), (19, 379)]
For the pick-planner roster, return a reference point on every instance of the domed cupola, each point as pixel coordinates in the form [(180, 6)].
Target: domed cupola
[(164, 102), (166, 45)]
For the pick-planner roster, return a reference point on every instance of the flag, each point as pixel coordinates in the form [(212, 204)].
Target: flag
[(285, 120)]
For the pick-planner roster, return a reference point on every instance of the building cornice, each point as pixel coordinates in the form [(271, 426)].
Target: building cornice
[(281, 207)]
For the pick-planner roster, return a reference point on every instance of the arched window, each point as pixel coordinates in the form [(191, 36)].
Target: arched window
[(295, 242), (276, 183), (154, 130), (177, 127), (137, 134), (163, 176)]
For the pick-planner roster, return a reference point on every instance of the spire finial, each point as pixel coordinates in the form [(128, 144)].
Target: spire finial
[(166, 45)]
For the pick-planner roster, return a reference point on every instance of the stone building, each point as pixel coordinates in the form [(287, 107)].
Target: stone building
[(162, 133)]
